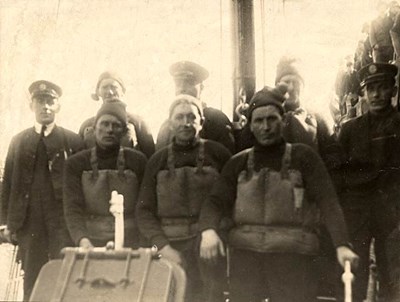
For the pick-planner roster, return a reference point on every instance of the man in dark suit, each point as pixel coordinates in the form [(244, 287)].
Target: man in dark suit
[(31, 201), (189, 77), (370, 187)]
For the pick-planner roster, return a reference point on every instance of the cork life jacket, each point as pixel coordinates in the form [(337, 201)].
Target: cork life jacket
[(272, 213), (180, 195), (97, 187)]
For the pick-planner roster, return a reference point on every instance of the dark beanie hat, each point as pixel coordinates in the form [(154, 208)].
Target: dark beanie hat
[(108, 75), (268, 96), (288, 65), (117, 109)]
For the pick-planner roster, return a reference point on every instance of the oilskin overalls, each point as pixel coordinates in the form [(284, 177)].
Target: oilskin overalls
[(97, 187), (180, 195), (274, 237)]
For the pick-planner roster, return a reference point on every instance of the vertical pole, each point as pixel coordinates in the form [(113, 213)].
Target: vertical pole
[(244, 77)]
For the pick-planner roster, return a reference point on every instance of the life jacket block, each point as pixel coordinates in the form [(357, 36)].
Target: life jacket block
[(180, 195), (272, 213), (97, 187)]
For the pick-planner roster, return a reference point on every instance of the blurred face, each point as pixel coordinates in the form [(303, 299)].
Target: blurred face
[(45, 108), (110, 90), (394, 11), (108, 131), (185, 123), (379, 96), (295, 87), (266, 125)]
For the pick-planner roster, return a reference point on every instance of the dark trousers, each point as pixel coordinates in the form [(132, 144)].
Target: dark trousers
[(280, 277), (204, 283), (368, 217), (40, 239), (393, 255)]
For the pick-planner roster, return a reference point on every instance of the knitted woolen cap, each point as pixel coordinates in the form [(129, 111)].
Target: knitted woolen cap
[(116, 108), (188, 99), (268, 96), (108, 75), (288, 66)]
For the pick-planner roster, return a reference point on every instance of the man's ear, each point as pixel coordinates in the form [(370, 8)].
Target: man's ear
[(126, 129), (57, 107), (248, 124), (95, 97), (394, 92), (202, 120), (169, 124)]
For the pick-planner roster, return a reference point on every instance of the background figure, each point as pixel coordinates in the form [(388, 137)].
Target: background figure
[(273, 194), (110, 88), (347, 90), (91, 176), (370, 180), (379, 35), (177, 181), (189, 77), (299, 125), (363, 54), (394, 13), (32, 205)]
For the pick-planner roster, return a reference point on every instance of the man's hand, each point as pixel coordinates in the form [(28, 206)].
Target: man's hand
[(7, 236), (343, 254), (85, 243), (211, 246), (171, 254)]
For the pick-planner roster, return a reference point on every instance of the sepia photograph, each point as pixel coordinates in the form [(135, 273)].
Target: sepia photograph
[(200, 150)]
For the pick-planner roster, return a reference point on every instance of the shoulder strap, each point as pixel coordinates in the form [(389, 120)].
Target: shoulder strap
[(121, 162), (93, 162), (250, 162), (171, 159), (286, 159), (200, 157)]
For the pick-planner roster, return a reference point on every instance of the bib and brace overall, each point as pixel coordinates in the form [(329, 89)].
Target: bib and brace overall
[(180, 195), (274, 225), (97, 187)]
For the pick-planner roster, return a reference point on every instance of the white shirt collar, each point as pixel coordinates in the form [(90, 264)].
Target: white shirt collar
[(49, 128)]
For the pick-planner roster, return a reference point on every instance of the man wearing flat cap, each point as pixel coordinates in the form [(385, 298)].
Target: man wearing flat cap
[(110, 88), (92, 175), (32, 206), (189, 77), (370, 176), (273, 194), (176, 183)]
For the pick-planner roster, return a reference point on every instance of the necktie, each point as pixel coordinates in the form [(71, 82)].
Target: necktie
[(41, 152), (42, 131)]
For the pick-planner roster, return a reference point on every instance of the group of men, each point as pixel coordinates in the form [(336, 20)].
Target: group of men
[(262, 208)]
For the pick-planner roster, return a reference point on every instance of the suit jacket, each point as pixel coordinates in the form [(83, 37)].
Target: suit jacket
[(19, 170), (372, 155)]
